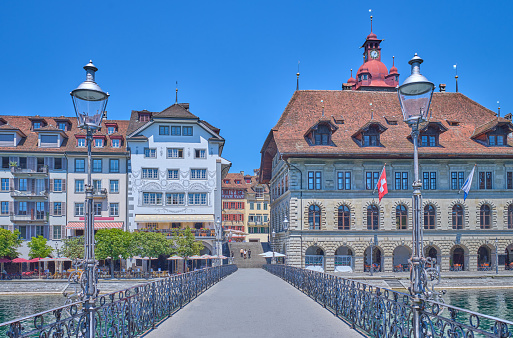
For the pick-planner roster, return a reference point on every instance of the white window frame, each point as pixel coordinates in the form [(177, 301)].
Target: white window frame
[(198, 174)]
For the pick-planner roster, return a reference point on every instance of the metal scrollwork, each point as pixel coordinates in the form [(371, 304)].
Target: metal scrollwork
[(125, 313), (387, 313)]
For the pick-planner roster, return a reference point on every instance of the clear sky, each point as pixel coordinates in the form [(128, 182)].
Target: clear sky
[(235, 61)]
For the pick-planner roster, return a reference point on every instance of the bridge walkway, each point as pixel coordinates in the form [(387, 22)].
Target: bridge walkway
[(253, 303)]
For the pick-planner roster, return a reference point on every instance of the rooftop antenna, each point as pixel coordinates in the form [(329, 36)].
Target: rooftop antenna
[(372, 111), (176, 98), (370, 11), (297, 74), (499, 109), (456, 76), (322, 101)]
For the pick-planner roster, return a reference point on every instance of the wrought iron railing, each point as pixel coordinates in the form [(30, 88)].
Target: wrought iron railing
[(125, 313), (382, 312)]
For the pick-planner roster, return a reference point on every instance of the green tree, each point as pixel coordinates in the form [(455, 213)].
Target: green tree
[(150, 244), (73, 248), (38, 247), (184, 244), (113, 243), (9, 243)]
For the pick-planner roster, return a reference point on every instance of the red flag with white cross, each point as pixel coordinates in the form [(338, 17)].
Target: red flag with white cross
[(382, 184)]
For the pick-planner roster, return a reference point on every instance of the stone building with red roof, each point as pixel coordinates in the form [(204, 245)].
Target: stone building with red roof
[(245, 207), (323, 157)]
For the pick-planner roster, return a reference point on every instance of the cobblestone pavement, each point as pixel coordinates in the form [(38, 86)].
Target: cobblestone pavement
[(253, 303)]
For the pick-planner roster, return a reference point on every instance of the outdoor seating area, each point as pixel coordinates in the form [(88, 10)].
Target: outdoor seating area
[(484, 267), (375, 267), (402, 268), (169, 232), (456, 267)]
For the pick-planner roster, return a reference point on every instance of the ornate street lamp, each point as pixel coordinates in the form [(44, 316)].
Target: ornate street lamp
[(415, 97), (286, 224), (219, 234), (273, 245), (496, 256), (89, 101)]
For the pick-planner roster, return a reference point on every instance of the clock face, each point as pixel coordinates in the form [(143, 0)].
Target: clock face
[(374, 54)]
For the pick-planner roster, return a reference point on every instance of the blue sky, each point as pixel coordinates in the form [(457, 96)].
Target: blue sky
[(235, 61)]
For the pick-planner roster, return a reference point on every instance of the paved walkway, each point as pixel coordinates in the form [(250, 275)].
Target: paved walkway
[(253, 303)]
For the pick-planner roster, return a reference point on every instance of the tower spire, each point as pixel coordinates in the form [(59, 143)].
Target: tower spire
[(297, 74), (370, 11), (393, 61), (456, 76), (176, 92)]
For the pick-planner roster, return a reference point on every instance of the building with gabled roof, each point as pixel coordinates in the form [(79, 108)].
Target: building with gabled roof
[(325, 154), (175, 174)]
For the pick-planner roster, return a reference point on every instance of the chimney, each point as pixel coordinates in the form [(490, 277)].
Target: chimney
[(242, 173), (105, 115), (442, 87), (508, 116)]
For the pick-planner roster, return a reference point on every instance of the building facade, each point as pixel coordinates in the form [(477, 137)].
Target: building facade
[(175, 173), (246, 206), (323, 158), (108, 173)]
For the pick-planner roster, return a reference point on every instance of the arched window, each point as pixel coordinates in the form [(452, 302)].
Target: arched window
[(401, 217), (344, 216), (510, 216), (484, 216), (314, 217), (372, 217), (429, 217), (322, 135), (457, 217)]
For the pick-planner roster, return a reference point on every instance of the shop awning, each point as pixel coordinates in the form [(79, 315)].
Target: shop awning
[(97, 225), (174, 218)]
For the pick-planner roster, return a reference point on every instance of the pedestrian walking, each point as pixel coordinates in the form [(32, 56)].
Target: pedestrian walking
[(241, 252), (249, 254), (245, 253), (231, 254)]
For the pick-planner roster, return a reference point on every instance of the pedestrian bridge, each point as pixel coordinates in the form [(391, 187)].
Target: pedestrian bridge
[(277, 301), (253, 303)]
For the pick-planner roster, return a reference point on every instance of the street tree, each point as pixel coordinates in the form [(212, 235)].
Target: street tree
[(39, 248), (113, 244), (73, 248), (184, 244), (9, 243), (150, 244)]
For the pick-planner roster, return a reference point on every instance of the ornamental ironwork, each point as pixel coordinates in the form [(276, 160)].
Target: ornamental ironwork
[(126, 313), (380, 312)]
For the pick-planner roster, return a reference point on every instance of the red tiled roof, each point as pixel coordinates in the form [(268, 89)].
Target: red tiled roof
[(305, 108), (232, 177)]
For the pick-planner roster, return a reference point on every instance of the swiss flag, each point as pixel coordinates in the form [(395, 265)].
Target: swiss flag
[(382, 185)]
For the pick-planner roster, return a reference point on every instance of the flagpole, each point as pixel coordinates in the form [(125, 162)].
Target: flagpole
[(375, 187)]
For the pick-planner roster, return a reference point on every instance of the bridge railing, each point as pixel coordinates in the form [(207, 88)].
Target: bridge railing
[(381, 312), (125, 313)]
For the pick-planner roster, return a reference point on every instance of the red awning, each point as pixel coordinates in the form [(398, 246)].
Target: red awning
[(20, 260), (97, 225)]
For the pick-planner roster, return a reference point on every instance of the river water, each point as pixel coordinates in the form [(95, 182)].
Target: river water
[(493, 302)]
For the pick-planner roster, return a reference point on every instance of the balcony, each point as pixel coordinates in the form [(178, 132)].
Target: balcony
[(38, 216), (30, 194), (30, 172), (100, 193), (198, 233)]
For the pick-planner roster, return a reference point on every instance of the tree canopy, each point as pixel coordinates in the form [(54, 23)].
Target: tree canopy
[(113, 243), (184, 244), (38, 247), (73, 248), (150, 244), (9, 243)]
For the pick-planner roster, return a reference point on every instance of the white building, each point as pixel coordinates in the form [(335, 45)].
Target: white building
[(175, 173)]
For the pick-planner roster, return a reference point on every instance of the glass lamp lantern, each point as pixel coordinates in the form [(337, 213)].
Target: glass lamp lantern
[(286, 223), (273, 234), (89, 100), (415, 94)]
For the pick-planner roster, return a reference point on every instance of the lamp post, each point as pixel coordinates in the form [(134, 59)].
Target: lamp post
[(286, 228), (415, 98), (371, 244), (273, 234), (89, 101), (219, 234), (496, 256)]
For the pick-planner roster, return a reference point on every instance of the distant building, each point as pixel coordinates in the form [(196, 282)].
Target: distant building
[(323, 158), (175, 173), (246, 207)]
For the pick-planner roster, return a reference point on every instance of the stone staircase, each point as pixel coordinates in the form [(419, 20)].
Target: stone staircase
[(255, 261)]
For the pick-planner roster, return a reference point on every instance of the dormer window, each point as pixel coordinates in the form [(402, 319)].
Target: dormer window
[(62, 126), (49, 141), (81, 142), (36, 125), (429, 140), (98, 142), (371, 140), (495, 140), (322, 135), (237, 182), (369, 134), (144, 117), (227, 181), (111, 130), (116, 143), (248, 180)]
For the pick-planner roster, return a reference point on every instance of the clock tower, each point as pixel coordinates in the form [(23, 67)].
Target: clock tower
[(373, 74)]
